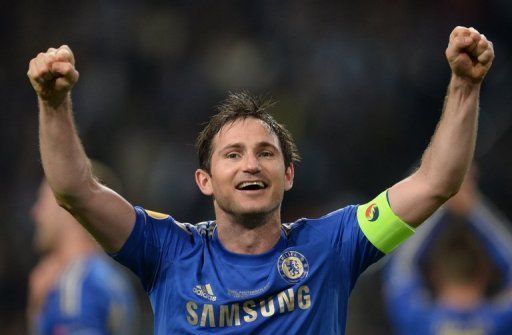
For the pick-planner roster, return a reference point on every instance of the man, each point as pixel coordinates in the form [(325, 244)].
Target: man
[(74, 289), (246, 272), (444, 280)]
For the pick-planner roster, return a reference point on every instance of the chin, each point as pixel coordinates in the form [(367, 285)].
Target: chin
[(252, 217), (43, 243), (42, 247), (256, 209)]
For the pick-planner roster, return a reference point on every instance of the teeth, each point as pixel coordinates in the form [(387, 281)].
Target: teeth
[(245, 184)]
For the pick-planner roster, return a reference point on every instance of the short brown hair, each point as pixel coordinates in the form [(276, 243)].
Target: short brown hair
[(458, 256), (243, 105)]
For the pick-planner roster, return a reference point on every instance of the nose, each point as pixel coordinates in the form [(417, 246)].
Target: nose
[(251, 164)]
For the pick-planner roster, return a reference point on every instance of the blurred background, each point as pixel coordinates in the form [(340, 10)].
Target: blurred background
[(359, 84)]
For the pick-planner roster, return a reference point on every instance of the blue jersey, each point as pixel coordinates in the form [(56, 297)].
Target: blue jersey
[(90, 297), (412, 309), (300, 286)]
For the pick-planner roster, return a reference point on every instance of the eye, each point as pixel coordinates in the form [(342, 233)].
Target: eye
[(266, 154), (232, 155)]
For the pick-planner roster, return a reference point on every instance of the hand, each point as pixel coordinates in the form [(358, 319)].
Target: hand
[(53, 74), (469, 54)]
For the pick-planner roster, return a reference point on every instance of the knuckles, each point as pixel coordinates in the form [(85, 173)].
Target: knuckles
[(469, 53), (53, 71)]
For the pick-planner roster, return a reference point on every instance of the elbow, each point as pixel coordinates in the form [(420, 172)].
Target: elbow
[(66, 201), (442, 193), (447, 194), (451, 185), (73, 200), (440, 190)]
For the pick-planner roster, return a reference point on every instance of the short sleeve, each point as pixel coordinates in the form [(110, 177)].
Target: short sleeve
[(154, 236), (361, 235), (352, 249)]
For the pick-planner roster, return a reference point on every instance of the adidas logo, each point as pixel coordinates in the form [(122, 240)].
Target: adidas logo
[(205, 291)]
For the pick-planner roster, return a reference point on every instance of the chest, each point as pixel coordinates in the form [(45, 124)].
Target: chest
[(205, 290)]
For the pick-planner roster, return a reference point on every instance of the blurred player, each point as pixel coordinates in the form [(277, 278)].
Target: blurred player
[(74, 289), (246, 272), (443, 281)]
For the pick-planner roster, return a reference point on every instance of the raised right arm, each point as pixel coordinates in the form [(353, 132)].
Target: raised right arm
[(104, 213)]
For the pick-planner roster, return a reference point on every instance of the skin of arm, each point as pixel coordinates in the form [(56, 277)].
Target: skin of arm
[(450, 152), (104, 213)]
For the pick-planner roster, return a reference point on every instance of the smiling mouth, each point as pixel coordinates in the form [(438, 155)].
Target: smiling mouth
[(251, 185)]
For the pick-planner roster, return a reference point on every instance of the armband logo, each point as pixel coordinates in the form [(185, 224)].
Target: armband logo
[(372, 213)]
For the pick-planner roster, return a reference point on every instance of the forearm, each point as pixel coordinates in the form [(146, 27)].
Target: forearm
[(65, 163), (107, 215), (446, 159), (450, 152)]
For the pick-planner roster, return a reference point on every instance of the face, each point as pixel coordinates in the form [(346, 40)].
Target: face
[(247, 174), (48, 218)]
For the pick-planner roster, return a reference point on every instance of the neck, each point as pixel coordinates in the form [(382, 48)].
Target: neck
[(460, 296), (75, 245), (242, 237)]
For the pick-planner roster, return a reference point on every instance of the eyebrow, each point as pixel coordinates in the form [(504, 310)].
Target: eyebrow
[(239, 145)]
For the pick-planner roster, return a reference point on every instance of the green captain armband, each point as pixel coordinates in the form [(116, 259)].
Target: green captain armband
[(381, 226)]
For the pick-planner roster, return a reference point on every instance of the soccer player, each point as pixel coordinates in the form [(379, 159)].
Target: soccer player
[(75, 289), (462, 244), (246, 272)]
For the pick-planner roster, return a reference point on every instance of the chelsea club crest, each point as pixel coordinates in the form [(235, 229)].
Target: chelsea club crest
[(293, 266)]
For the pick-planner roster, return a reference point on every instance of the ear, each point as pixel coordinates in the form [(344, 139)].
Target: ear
[(203, 181), (289, 174)]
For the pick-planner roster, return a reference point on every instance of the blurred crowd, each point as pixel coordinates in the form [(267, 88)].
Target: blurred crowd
[(360, 84)]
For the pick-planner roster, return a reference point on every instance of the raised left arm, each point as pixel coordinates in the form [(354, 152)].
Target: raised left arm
[(450, 152)]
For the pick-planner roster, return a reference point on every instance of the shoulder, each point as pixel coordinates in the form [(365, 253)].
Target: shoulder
[(89, 274), (92, 274), (89, 286), (328, 228), (166, 221), (337, 219), (75, 272), (72, 287), (104, 274), (204, 229)]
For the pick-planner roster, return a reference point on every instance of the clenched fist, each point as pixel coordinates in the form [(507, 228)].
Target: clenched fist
[(53, 74), (469, 54)]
